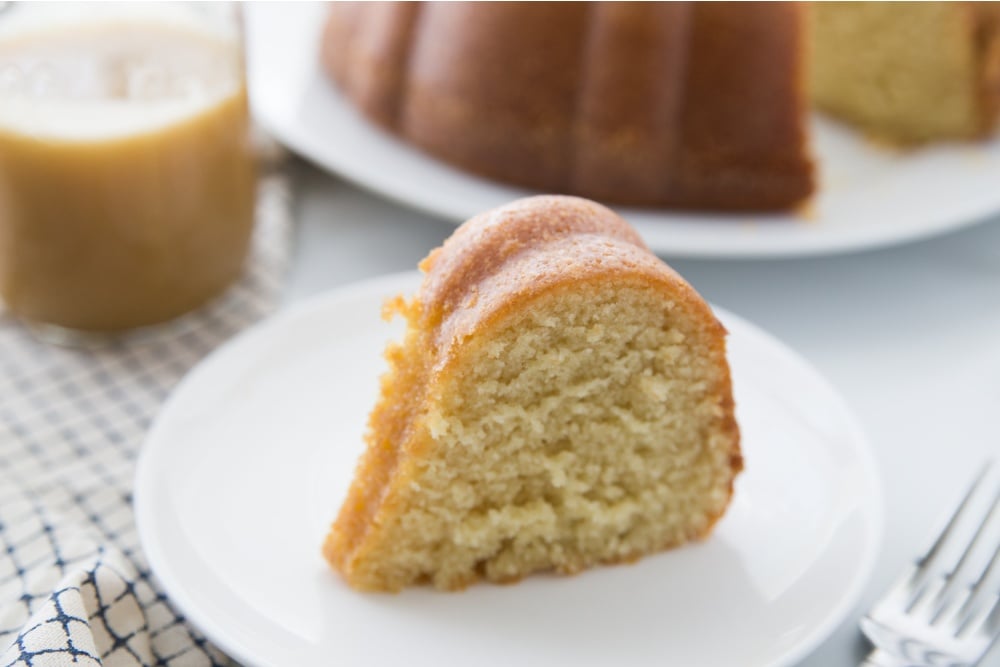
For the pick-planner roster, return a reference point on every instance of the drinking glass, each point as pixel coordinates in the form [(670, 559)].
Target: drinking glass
[(126, 169)]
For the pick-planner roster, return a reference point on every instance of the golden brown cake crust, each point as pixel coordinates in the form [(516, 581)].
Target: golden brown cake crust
[(655, 104), (986, 31), (493, 265), (499, 260)]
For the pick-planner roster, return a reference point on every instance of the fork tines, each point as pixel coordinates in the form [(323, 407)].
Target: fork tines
[(965, 558), (955, 582), (945, 610)]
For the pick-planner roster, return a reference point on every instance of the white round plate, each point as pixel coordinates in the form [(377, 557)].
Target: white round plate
[(249, 461), (869, 196)]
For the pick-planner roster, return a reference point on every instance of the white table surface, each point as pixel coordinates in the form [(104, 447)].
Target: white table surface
[(909, 335)]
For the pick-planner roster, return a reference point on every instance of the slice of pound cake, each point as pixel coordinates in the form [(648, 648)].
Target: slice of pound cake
[(561, 398)]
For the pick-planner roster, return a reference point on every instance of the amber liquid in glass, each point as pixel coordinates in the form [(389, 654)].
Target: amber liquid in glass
[(126, 174)]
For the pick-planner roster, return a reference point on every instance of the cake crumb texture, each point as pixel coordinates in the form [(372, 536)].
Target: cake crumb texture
[(908, 72), (544, 424)]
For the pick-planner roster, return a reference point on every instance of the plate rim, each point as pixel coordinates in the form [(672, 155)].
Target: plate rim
[(145, 479)]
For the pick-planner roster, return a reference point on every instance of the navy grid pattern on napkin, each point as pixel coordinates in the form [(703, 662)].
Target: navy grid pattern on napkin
[(74, 586)]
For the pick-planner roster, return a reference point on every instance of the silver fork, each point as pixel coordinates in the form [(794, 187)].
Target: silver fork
[(945, 609)]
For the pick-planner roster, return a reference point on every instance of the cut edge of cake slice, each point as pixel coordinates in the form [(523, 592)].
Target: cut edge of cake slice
[(561, 398)]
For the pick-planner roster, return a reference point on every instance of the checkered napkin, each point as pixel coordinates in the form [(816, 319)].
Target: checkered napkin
[(74, 586)]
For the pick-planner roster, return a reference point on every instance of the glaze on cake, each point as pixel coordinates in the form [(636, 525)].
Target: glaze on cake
[(696, 105)]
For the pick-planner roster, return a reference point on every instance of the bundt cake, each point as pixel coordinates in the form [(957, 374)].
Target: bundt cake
[(697, 105), (561, 398), (908, 72)]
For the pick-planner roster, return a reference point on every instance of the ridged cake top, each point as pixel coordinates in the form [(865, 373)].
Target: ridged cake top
[(512, 253), (666, 104)]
